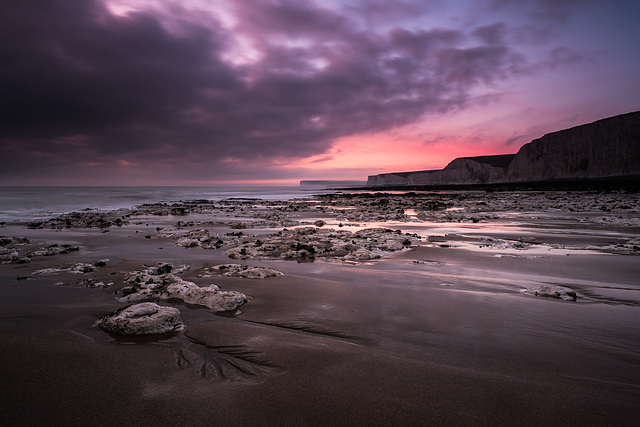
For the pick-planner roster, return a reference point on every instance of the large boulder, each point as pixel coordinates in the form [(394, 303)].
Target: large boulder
[(146, 318)]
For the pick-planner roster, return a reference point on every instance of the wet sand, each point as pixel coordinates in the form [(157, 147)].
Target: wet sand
[(440, 333)]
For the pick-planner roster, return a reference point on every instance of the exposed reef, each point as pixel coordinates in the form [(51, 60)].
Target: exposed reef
[(309, 243), (85, 220)]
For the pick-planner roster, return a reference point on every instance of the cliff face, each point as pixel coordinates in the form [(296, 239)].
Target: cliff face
[(399, 178), (325, 183), (604, 149), (474, 170), (465, 170)]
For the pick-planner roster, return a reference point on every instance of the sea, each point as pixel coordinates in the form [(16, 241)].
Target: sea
[(24, 203)]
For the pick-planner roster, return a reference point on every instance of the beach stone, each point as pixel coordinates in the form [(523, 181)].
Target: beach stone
[(242, 252), (146, 318), (559, 292), (101, 263), (12, 250), (4, 240), (79, 268), (210, 297), (53, 250), (12, 257), (202, 237), (46, 271)]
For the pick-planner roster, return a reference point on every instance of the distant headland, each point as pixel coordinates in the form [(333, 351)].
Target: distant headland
[(330, 183), (605, 149)]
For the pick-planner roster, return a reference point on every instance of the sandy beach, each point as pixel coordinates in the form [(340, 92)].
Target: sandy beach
[(468, 308)]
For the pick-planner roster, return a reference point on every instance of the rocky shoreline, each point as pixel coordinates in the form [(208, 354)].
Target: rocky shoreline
[(247, 291), (310, 239)]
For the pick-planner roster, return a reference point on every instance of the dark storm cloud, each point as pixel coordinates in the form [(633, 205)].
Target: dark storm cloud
[(72, 69), (80, 85), (290, 18)]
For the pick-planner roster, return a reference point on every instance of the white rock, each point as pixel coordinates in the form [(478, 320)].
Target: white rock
[(81, 268), (242, 251), (169, 286), (45, 271), (181, 268), (141, 319), (167, 232), (209, 297)]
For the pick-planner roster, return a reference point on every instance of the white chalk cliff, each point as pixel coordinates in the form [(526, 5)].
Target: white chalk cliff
[(607, 148)]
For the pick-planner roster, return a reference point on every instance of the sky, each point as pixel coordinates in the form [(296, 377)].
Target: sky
[(197, 92)]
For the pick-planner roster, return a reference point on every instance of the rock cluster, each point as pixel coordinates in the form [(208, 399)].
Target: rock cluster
[(15, 251), (176, 209), (203, 238), (146, 318), (8, 241), (355, 209), (308, 243), (240, 270), (77, 269), (597, 207), (243, 213), (10, 248), (161, 283), (90, 283), (53, 249), (85, 220)]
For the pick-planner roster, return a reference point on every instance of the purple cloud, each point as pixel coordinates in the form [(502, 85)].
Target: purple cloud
[(546, 10), (80, 85), (493, 34)]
